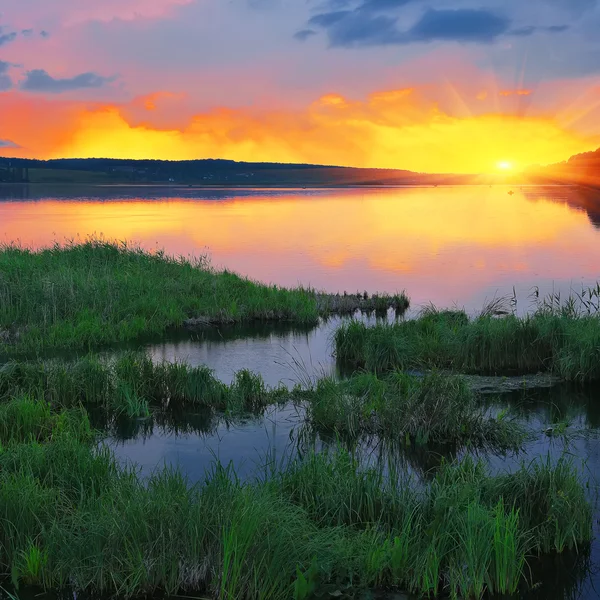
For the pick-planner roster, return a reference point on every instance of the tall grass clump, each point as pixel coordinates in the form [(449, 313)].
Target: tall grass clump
[(409, 410), (563, 344), (466, 534), (131, 385), (25, 419), (551, 501), (335, 492), (80, 295), (73, 517)]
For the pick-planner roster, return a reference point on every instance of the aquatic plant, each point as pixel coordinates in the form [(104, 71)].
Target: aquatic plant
[(349, 304), (81, 295), (73, 517), (565, 345), (26, 419), (131, 384), (406, 409)]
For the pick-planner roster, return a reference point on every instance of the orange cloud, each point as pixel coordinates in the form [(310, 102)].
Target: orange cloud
[(507, 93), (389, 129)]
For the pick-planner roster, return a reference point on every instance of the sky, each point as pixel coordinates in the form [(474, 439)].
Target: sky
[(465, 86)]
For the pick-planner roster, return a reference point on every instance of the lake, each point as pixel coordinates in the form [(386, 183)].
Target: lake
[(447, 245), (454, 246)]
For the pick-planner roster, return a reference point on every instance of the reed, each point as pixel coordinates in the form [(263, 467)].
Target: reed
[(81, 295), (132, 384), (24, 419), (405, 409), (73, 517), (563, 344)]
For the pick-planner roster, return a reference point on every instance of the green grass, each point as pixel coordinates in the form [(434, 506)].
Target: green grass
[(82, 295), (567, 345), (409, 410), (24, 419), (72, 517), (132, 384), (349, 304), (398, 407)]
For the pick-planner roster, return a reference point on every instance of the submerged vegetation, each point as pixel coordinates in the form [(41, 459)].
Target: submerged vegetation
[(564, 344), (73, 517), (82, 295)]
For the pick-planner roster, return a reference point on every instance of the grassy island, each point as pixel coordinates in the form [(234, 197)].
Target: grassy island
[(84, 295), (565, 344)]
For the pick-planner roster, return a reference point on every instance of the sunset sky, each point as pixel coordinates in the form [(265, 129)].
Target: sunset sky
[(427, 85)]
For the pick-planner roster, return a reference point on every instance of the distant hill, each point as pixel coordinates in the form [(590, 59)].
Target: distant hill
[(582, 169), (207, 172)]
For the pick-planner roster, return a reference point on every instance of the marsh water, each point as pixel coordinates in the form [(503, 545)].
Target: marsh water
[(458, 246), (446, 245), (450, 246)]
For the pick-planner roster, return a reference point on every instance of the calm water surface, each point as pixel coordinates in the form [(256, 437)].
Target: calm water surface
[(255, 445), (451, 246)]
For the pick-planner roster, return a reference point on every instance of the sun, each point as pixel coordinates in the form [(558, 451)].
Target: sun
[(504, 165)]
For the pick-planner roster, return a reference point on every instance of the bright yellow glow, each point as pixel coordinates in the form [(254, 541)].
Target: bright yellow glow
[(339, 135), (389, 129), (388, 239)]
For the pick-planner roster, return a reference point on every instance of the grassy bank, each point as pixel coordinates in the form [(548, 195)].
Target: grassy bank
[(72, 517), (565, 345), (410, 410), (131, 384), (398, 407), (84, 295)]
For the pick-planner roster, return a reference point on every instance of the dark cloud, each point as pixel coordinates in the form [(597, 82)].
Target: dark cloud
[(530, 30), (27, 32), (362, 28), (461, 25), (523, 31), (6, 38), (39, 80), (5, 81), (330, 18), (44, 34), (304, 34), (8, 144), (375, 5)]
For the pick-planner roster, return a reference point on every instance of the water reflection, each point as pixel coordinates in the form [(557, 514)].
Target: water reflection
[(283, 430), (280, 354), (194, 444), (259, 444), (458, 245)]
